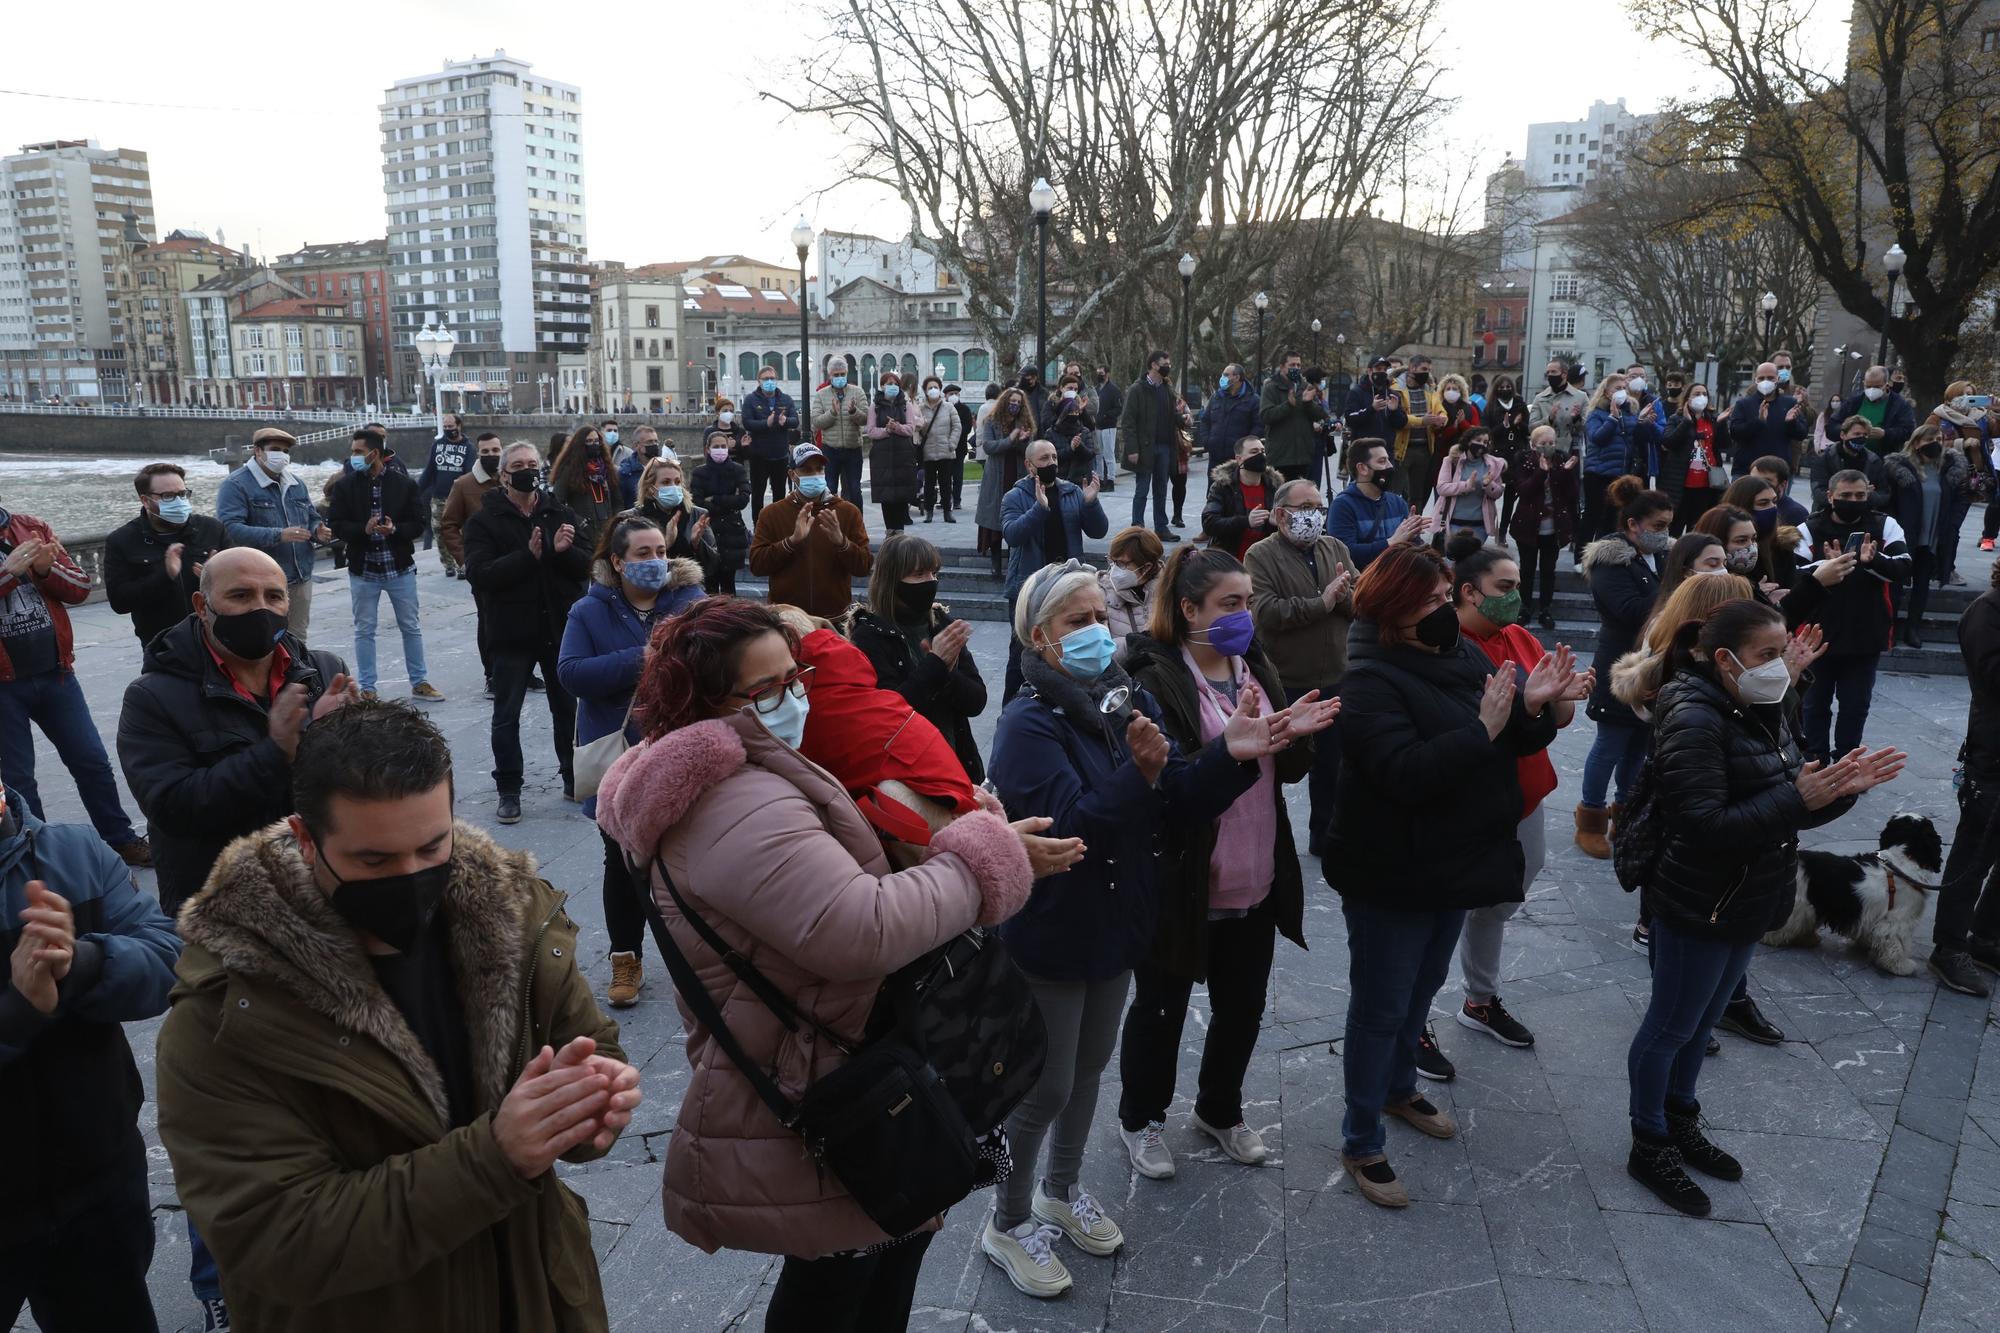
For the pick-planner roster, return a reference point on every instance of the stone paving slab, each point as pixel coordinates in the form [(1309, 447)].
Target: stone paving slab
[(1871, 1138)]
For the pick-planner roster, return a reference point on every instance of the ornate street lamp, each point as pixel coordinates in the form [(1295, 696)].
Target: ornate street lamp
[(1042, 199), (435, 343), (1262, 302), (1186, 267), (1892, 264), (1769, 305), (802, 239)]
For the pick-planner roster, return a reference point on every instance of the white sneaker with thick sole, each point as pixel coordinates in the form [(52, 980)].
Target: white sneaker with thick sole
[(1081, 1220), (1151, 1157), (1242, 1143), (1027, 1256)]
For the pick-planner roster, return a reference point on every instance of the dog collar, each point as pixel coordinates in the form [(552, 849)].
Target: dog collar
[(1891, 868)]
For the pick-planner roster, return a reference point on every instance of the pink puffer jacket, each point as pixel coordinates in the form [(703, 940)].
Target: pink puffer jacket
[(772, 853)]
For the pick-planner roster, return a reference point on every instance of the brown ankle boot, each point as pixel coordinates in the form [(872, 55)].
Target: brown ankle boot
[(1615, 812), (1591, 826)]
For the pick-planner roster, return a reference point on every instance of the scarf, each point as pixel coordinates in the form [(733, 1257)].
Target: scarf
[(1076, 700)]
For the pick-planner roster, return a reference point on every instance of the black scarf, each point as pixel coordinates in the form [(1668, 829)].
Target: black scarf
[(1078, 701), (891, 409)]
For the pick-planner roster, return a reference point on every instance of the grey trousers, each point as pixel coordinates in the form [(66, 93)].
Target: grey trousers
[(1082, 1021), (299, 617), (1479, 947)]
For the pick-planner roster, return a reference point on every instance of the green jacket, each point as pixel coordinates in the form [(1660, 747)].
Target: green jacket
[(1289, 438), (1137, 423), (306, 1123)]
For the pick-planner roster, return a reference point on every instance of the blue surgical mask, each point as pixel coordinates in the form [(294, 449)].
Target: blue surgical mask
[(1784, 374), (650, 575), (768, 386), (840, 381), (1087, 652), (812, 486), (892, 390), (611, 437), (671, 497), (1222, 383), (788, 720), (176, 510), (359, 462)]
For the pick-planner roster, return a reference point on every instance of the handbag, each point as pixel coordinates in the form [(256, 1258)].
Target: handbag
[(591, 762), (900, 1136), (1635, 844)]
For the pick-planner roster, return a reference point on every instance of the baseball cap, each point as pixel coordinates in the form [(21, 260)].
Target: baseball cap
[(804, 452)]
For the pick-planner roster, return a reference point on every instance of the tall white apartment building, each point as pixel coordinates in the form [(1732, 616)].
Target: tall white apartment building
[(68, 210), (1563, 158), (482, 178)]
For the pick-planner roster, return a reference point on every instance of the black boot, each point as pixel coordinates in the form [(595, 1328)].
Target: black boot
[(1657, 1166), (1546, 618), (1910, 636), (1746, 1020), (1696, 1150)]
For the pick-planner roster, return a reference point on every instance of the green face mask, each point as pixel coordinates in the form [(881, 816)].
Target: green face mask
[(1502, 610)]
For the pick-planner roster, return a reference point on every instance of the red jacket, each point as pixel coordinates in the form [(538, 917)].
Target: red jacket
[(64, 583)]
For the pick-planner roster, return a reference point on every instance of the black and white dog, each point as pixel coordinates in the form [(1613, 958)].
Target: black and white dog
[(1875, 898)]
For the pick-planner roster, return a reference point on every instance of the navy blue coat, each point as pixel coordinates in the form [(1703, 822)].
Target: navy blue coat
[(1363, 525), (1228, 417), (604, 646), (1021, 521), (1097, 918), (1752, 436), (770, 419)]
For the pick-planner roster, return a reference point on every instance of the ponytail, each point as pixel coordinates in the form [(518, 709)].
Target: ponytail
[(1189, 573)]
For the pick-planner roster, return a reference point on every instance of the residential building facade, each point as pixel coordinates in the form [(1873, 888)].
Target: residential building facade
[(66, 209), (211, 309), (1500, 323), (356, 274), (158, 351), (482, 168), (1565, 322), (637, 353), (296, 351)]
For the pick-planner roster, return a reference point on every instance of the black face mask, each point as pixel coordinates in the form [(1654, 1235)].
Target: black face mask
[(1254, 463), (1419, 377), (1896, 386), (913, 600), (1047, 474), (1474, 448), (1381, 381), (523, 480), (1295, 375), (1439, 629), (651, 451), (1849, 511), (1931, 451), (395, 909), (491, 462), (1855, 444), (250, 635), (1557, 382), (453, 433), (1385, 477)]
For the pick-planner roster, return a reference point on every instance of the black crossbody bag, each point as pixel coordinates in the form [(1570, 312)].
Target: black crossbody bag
[(953, 1045)]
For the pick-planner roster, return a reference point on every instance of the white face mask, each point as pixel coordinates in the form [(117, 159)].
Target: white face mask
[(1620, 397), (1068, 394), (952, 399), (1767, 387), (1766, 684), (1875, 393), (934, 393), (725, 417), (276, 461), (1123, 579), (1637, 384), (1451, 395), (1698, 403)]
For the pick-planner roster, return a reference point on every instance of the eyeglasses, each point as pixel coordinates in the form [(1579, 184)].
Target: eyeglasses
[(173, 495), (766, 699)]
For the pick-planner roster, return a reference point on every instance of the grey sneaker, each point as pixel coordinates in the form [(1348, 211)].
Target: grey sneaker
[(1027, 1256), (1080, 1219), (1150, 1156), (1242, 1143)]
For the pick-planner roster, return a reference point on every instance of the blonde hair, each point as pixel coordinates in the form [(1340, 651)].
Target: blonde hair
[(1046, 593), (654, 467), (1455, 379), (1602, 398), (1694, 598)]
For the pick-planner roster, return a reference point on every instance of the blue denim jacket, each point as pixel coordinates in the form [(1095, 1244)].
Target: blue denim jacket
[(254, 514)]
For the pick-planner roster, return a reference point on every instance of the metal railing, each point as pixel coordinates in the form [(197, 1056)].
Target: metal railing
[(351, 417)]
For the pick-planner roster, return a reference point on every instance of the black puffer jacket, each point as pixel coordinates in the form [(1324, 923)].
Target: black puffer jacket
[(723, 489), (135, 570), (1180, 942), (1225, 515), (1623, 586), (1677, 451), (948, 698), (1428, 803), (1730, 812), (527, 599), (199, 757)]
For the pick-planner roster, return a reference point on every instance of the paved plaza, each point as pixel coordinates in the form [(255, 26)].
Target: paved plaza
[(1871, 1137)]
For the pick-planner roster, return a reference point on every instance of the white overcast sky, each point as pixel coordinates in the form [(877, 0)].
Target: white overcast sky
[(682, 157)]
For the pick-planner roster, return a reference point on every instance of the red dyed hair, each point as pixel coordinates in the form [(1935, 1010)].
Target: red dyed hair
[(1395, 584), (692, 666)]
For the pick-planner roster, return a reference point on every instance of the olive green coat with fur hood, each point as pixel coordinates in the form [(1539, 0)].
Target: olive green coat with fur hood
[(308, 1126)]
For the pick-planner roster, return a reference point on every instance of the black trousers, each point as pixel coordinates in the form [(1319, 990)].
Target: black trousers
[(1991, 529), (937, 485), (958, 482), (1917, 597), (1180, 495), (1597, 516), (1968, 900), (86, 1272), (479, 634), (1692, 506), (764, 473), (1538, 557), (848, 1293), (895, 515), (1239, 974), (624, 915), (719, 581), (511, 669)]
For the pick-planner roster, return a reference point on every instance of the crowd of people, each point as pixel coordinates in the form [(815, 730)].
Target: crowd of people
[(380, 1036)]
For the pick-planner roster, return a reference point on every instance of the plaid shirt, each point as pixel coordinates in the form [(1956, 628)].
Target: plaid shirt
[(377, 562)]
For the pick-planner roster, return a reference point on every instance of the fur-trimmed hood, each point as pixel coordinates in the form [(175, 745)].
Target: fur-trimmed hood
[(681, 573), (1607, 551), (262, 916), (1635, 679)]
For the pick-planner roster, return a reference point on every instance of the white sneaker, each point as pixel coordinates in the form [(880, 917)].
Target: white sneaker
[(1027, 1256), (1239, 1141), (1081, 1220), (1150, 1155)]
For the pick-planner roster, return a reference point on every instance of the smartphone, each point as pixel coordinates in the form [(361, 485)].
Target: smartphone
[(1853, 544), (1982, 401)]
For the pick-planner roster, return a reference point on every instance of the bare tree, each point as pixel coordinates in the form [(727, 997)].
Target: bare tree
[(1670, 255), (1230, 131), (1899, 145)]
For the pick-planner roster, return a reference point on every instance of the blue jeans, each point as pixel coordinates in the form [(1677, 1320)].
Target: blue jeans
[(1693, 981), (1159, 480), (1850, 678), (367, 594), (1396, 961), (203, 1275), (843, 474), (53, 701), (1620, 747)]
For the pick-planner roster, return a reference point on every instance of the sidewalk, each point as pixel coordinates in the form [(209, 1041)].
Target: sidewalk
[(1871, 1137)]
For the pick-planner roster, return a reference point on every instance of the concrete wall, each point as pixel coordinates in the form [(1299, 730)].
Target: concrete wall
[(178, 437)]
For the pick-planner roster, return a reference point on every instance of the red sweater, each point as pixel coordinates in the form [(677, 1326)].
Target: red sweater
[(1514, 644)]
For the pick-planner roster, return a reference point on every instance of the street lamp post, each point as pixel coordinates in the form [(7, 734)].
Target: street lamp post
[(1769, 304), (1262, 302), (802, 239), (1892, 264), (1042, 199), (1187, 315), (1316, 342), (435, 343)]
